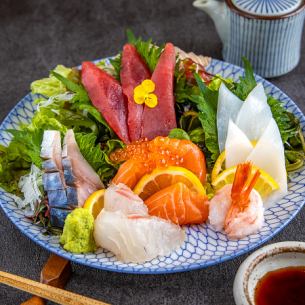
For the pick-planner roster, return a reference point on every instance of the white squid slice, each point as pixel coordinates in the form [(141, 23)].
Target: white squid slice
[(268, 154), (254, 114), (228, 107), (238, 147)]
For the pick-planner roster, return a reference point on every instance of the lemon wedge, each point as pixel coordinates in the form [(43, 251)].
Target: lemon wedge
[(95, 202), (264, 185), (219, 165), (161, 178)]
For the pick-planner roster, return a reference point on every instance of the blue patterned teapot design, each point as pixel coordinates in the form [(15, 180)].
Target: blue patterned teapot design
[(267, 32)]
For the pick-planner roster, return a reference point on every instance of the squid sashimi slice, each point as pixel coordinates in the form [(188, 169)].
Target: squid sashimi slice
[(136, 238), (268, 154), (133, 72), (51, 149), (107, 96), (78, 172), (122, 198), (228, 107), (255, 114), (160, 120), (238, 147)]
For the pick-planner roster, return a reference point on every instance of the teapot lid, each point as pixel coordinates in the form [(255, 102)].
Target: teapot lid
[(267, 7)]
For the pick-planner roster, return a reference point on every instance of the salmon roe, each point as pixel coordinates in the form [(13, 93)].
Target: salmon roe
[(160, 152)]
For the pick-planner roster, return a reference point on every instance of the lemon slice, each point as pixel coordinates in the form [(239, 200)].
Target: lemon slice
[(95, 202), (264, 185), (161, 178), (219, 165)]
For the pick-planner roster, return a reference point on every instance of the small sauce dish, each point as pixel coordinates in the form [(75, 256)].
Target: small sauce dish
[(269, 258)]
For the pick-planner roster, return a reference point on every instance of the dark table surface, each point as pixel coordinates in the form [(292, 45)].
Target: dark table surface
[(36, 35)]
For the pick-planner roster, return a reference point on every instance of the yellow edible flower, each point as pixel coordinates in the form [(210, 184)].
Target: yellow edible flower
[(143, 94)]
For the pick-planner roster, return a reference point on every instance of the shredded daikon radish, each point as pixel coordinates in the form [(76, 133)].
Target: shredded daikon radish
[(30, 185)]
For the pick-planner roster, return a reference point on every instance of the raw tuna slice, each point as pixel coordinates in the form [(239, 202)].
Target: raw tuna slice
[(160, 120), (107, 96), (133, 72)]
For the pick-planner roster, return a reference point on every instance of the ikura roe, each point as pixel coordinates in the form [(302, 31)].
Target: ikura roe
[(164, 152)]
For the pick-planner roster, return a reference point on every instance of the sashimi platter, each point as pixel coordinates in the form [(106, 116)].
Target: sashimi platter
[(152, 161)]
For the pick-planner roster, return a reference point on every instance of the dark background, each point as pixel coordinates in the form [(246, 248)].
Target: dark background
[(35, 36)]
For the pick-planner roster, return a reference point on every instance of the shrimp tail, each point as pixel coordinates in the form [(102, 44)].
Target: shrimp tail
[(243, 184)]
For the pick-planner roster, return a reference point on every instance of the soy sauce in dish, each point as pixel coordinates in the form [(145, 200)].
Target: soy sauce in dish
[(285, 286)]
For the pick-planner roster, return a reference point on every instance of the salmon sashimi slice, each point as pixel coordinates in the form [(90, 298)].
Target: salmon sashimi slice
[(179, 204), (160, 120), (107, 96), (133, 72), (130, 172), (163, 152)]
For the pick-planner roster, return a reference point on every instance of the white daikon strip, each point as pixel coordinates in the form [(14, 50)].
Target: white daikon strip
[(228, 107), (268, 154), (238, 147), (254, 114)]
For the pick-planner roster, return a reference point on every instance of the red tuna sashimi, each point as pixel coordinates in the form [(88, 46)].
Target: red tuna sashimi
[(133, 72), (160, 120), (107, 96)]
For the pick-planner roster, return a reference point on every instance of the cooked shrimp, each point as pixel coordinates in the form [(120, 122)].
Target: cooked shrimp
[(238, 208), (246, 213), (219, 207)]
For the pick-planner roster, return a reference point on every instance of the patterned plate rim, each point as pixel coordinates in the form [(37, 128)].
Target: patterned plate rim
[(182, 267)]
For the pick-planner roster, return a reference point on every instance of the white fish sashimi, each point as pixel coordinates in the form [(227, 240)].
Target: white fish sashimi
[(51, 147), (268, 154), (122, 198), (238, 147), (255, 114), (136, 238), (228, 107)]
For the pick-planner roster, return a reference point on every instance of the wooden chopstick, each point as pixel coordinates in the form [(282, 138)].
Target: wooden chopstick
[(56, 295), (56, 272)]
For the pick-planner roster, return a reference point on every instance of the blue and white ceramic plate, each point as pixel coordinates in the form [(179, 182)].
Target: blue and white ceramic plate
[(203, 246)]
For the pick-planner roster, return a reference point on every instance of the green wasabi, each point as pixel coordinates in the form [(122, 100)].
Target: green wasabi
[(77, 235)]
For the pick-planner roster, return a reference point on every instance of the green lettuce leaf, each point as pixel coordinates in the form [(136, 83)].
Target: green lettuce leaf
[(14, 163), (246, 83), (217, 80), (116, 64), (178, 133), (80, 92), (98, 156), (207, 105), (149, 51), (51, 85)]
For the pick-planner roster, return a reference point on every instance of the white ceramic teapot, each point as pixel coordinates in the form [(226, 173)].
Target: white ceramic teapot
[(267, 32)]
